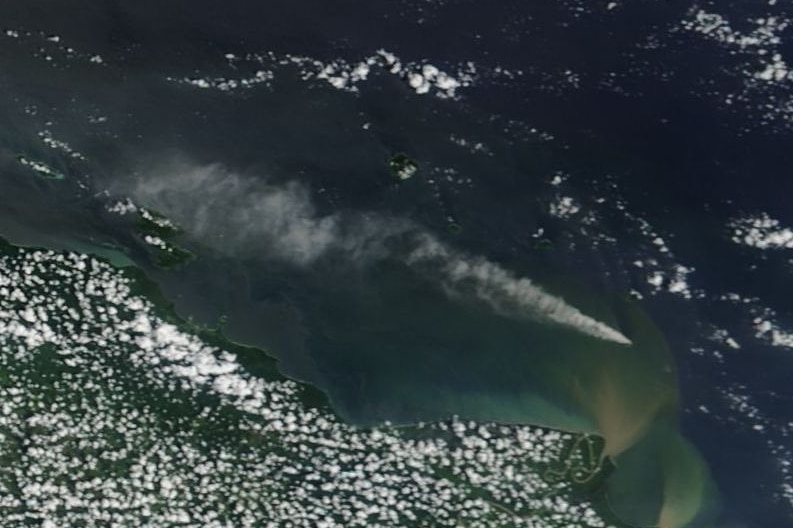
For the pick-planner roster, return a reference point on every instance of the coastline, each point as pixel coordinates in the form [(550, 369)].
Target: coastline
[(261, 363)]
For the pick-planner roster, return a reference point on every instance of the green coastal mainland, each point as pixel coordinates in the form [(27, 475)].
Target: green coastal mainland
[(114, 409)]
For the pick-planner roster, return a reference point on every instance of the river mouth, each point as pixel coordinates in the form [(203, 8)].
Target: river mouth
[(387, 343)]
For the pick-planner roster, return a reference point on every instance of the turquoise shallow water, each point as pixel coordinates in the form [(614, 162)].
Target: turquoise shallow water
[(389, 344), (387, 341)]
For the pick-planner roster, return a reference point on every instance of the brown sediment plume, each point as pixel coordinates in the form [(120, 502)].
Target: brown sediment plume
[(631, 396), (621, 413), (684, 485), (626, 389)]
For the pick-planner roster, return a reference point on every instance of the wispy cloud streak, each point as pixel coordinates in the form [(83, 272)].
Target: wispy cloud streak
[(505, 292)]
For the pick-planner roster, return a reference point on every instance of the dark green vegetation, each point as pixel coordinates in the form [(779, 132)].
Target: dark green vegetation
[(417, 353), (130, 415), (454, 228), (41, 169), (158, 232), (170, 257), (402, 166)]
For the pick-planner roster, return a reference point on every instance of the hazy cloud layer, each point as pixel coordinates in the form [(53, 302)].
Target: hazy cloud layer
[(252, 218)]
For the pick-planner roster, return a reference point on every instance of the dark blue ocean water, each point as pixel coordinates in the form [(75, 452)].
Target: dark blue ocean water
[(627, 108)]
